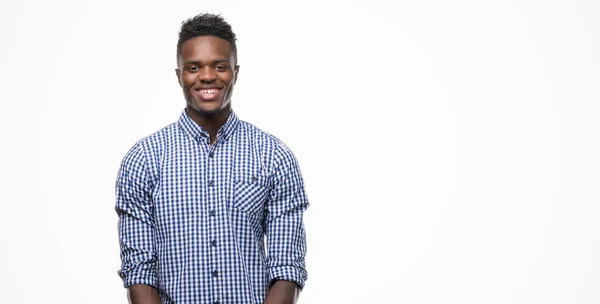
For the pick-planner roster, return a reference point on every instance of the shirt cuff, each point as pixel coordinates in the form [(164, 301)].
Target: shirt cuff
[(138, 277), (287, 273)]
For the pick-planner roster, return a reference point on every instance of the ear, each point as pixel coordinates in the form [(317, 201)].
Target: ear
[(237, 70), (178, 73)]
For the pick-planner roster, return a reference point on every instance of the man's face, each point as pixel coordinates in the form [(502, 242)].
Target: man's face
[(207, 73)]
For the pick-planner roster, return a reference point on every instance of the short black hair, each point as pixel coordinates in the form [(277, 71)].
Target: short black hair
[(206, 25)]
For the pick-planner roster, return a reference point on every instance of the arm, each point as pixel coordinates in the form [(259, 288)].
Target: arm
[(136, 229), (283, 292), (142, 294), (286, 240)]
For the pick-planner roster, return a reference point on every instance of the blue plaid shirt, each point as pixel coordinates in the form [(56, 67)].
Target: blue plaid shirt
[(193, 216)]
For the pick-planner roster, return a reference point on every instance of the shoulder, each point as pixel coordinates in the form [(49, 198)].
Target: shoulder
[(262, 137), (161, 136), (151, 144), (267, 143)]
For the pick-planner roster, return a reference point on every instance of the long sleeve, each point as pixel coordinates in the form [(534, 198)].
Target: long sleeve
[(286, 238), (136, 222)]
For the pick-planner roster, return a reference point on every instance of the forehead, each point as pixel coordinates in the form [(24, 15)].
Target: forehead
[(205, 49)]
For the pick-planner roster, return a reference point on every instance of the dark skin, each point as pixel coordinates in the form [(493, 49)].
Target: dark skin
[(143, 294), (283, 292), (205, 63), (207, 71)]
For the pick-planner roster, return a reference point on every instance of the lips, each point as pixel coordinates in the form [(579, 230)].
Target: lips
[(208, 93)]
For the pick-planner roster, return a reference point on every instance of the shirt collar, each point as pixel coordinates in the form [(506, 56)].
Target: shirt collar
[(198, 133)]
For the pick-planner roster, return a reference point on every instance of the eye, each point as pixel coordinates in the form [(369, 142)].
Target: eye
[(222, 67), (193, 68)]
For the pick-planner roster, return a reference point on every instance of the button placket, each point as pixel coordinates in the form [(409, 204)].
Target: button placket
[(214, 182)]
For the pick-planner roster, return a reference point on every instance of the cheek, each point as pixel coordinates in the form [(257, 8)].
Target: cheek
[(187, 80)]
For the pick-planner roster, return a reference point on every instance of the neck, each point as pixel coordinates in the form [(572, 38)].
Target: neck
[(210, 122)]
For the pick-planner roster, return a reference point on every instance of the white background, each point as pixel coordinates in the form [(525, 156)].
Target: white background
[(449, 148)]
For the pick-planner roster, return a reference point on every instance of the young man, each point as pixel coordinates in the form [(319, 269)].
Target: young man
[(197, 199)]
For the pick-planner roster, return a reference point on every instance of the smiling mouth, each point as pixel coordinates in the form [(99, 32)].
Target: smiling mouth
[(208, 94)]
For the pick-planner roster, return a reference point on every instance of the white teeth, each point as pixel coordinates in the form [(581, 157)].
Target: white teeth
[(209, 91)]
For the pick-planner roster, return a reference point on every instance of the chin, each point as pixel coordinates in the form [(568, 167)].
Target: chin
[(207, 110)]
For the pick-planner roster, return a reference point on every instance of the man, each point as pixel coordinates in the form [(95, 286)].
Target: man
[(197, 199)]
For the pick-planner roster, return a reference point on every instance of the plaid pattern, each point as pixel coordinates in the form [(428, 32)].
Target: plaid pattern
[(193, 217)]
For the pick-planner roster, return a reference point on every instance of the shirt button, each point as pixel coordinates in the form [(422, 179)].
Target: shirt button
[(212, 213), (217, 302), (215, 273), (211, 155), (211, 183), (253, 178), (213, 243)]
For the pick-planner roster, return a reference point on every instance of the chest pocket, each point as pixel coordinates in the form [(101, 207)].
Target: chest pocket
[(251, 193)]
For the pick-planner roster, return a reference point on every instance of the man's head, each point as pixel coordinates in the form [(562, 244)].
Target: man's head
[(207, 64)]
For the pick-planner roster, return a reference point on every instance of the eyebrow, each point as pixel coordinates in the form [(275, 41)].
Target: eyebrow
[(214, 61)]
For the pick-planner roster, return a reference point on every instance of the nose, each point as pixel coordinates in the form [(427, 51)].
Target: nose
[(207, 74)]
